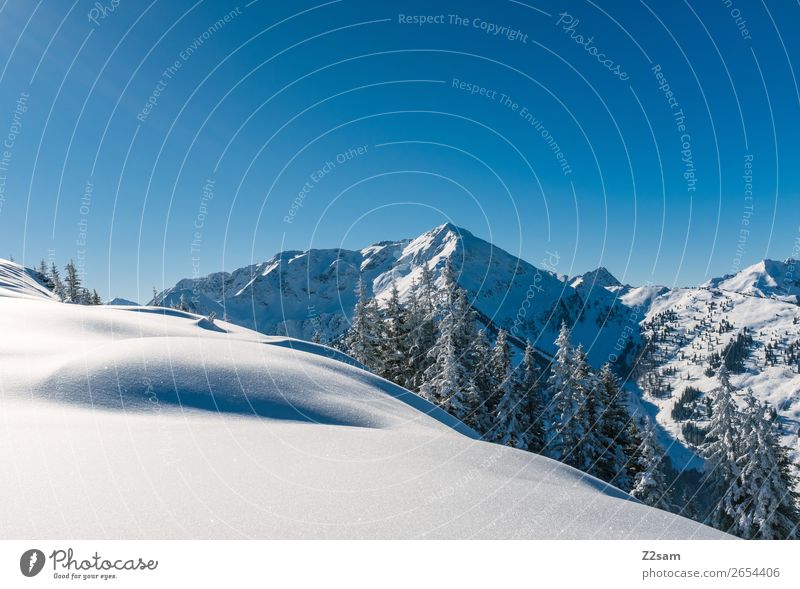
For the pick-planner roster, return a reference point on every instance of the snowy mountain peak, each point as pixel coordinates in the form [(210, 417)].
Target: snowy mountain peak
[(435, 245), (765, 279), (303, 294), (120, 302), (449, 228), (598, 278)]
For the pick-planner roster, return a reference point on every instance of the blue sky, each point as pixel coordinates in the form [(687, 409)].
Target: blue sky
[(323, 124)]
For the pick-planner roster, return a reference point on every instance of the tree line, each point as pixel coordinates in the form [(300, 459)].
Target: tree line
[(562, 408), (70, 289), (431, 344)]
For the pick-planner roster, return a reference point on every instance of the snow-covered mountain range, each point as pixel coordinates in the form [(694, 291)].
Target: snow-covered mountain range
[(299, 293), (146, 422), (661, 339)]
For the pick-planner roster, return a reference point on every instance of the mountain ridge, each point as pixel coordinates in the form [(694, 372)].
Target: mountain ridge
[(316, 288), (659, 339)]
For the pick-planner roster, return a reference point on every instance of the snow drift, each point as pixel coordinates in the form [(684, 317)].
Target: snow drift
[(141, 422)]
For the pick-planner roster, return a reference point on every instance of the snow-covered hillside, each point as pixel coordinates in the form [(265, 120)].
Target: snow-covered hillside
[(688, 332), (766, 279), (306, 293), (18, 281), (144, 422)]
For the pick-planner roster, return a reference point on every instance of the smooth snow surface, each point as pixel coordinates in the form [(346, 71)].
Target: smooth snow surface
[(153, 423)]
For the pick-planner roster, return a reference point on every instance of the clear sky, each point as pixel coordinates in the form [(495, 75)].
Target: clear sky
[(658, 139)]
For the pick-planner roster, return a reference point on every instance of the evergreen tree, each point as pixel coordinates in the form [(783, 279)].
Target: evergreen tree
[(527, 382), (722, 450), (448, 380), (395, 343), (426, 293), (651, 482), (511, 420), (484, 379), (770, 509), (44, 276), (499, 368), (589, 446), (182, 304), (72, 284), (564, 429), (613, 463), (422, 329), (96, 300), (633, 453), (363, 342), (55, 278)]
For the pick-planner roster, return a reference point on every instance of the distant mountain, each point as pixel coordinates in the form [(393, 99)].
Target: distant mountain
[(599, 278), (661, 340), (300, 293), (122, 302), (766, 279)]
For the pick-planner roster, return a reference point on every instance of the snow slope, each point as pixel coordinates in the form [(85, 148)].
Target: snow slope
[(20, 282), (765, 279), (303, 293), (142, 422)]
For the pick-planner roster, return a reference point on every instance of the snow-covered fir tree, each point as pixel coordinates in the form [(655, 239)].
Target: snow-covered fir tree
[(72, 284), (769, 510), (510, 416), (499, 369), (613, 464), (182, 304), (651, 485), (43, 274), (565, 423), (395, 340), (363, 339), (722, 449), (632, 450), (527, 382), (591, 409), (421, 329), (484, 379), (55, 278), (448, 381)]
